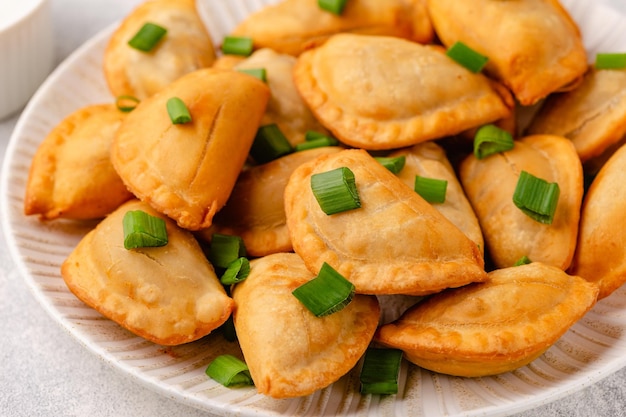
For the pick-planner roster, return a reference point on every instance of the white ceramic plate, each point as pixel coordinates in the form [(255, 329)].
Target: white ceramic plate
[(591, 349)]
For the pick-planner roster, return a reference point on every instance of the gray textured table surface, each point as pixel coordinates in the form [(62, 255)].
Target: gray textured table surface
[(46, 372)]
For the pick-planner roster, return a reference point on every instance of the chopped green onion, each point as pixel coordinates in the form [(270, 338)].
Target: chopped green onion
[(311, 135), (229, 370), (316, 143), (432, 190), (467, 57), (237, 271), (333, 6), (178, 111), (613, 60), (269, 143), (393, 164), (335, 190), (228, 329), (225, 249), (490, 139), (524, 260), (237, 45), (143, 230), (147, 37), (379, 374), (126, 103), (325, 294), (260, 73), (536, 197)]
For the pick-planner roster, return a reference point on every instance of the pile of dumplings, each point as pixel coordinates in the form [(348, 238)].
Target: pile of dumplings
[(437, 281)]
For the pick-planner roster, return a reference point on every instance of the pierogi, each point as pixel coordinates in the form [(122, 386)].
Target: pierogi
[(509, 233), (292, 26), (187, 171), (168, 295), (491, 327), (289, 351), (71, 175), (395, 243), (534, 46), (186, 47), (379, 92)]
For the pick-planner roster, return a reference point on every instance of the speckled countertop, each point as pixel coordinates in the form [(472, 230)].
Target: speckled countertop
[(44, 371)]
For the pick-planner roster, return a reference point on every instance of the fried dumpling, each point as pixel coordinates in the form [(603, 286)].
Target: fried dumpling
[(429, 160), (592, 116), (290, 352), (492, 327), (255, 210), (285, 108), (186, 47), (168, 295), (364, 90), (187, 171), (600, 255), (71, 175), (509, 233), (292, 26), (538, 50), (395, 243)]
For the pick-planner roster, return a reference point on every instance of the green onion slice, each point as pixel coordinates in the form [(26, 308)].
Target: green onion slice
[(432, 190), (524, 260), (126, 103), (237, 45), (379, 374), (147, 37), (393, 164), (467, 57), (225, 249), (178, 111), (536, 197), (260, 73), (228, 329), (335, 190), (237, 271), (490, 139), (325, 294), (612, 60), (333, 6), (143, 230), (316, 143), (229, 370), (269, 143)]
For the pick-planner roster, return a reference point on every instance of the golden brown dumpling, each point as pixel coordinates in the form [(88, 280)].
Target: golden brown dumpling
[(395, 243), (492, 327), (186, 47), (509, 233), (255, 210), (377, 92), (292, 26), (534, 47), (600, 255), (285, 107), (168, 295), (429, 160), (187, 171), (289, 351), (592, 116), (71, 175)]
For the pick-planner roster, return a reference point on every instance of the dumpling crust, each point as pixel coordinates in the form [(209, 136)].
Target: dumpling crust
[(187, 171), (509, 233), (168, 295), (395, 243), (186, 47), (292, 26), (492, 327), (363, 89), (538, 51), (288, 350), (71, 175)]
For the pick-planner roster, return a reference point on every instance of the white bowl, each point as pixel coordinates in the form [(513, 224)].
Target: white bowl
[(26, 51)]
